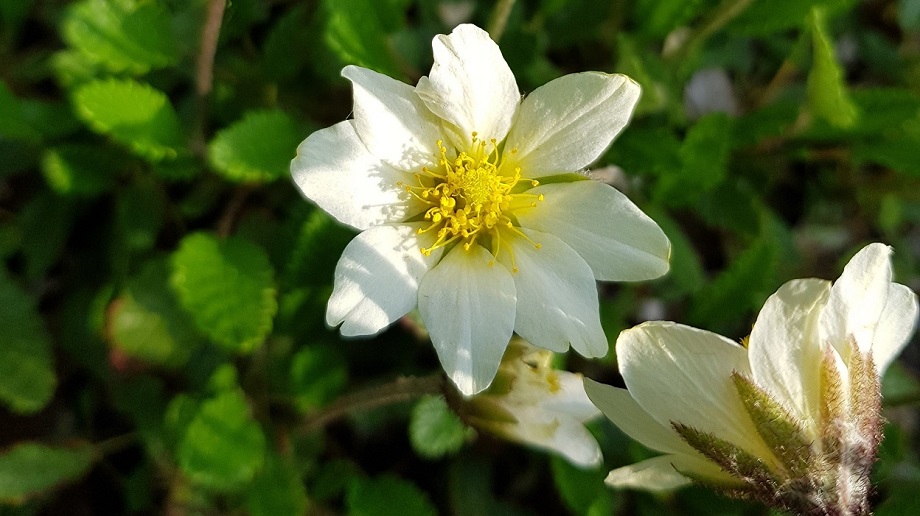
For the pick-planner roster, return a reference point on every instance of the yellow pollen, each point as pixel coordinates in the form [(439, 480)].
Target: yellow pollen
[(470, 195)]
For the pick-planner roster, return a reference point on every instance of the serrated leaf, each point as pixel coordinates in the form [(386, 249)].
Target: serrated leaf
[(258, 148), (27, 377), (147, 323), (223, 446), (29, 469), (380, 496), (317, 248), (277, 490), (357, 32), (827, 94), (228, 288), (80, 170), (132, 113), (435, 430), (582, 490), (317, 374), (123, 35)]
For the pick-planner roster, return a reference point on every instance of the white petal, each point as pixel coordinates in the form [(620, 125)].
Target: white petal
[(468, 307), (557, 296), (555, 432), (566, 124), (377, 278), (897, 324), (334, 170), (682, 374), (470, 86), (662, 473), (785, 350), (392, 121), (618, 241), (569, 397), (857, 300), (620, 407)]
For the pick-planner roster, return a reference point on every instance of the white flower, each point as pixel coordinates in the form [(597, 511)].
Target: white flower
[(532, 403), (793, 418), (443, 181)]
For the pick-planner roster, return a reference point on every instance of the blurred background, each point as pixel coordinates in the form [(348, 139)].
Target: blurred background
[(163, 284)]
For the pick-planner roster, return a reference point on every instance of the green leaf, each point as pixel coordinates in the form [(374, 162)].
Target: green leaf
[(13, 121), (29, 469), (827, 94), (278, 61), (318, 373), (258, 148), (26, 366), (704, 161), (277, 490), (582, 490), (47, 221), (139, 211), (132, 113), (765, 17), (435, 430), (147, 323), (317, 248), (223, 446), (122, 35), (228, 288), (382, 495), (357, 31), (80, 170), (658, 18), (686, 272)]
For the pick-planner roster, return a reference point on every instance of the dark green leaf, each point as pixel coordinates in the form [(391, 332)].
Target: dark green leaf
[(28, 469), (382, 495), (80, 170), (27, 377), (358, 31), (228, 288), (277, 490), (318, 374), (147, 323), (582, 490)]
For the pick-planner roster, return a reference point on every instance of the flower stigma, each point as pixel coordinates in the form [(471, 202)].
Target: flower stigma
[(471, 196)]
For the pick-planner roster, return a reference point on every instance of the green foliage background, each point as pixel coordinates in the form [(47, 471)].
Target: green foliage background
[(163, 284)]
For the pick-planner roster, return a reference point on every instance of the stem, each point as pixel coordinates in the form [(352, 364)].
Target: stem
[(204, 67), (727, 11), (231, 211), (116, 444), (500, 19), (401, 390)]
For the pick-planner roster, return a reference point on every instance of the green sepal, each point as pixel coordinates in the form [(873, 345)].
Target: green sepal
[(779, 429), (865, 411), (735, 461)]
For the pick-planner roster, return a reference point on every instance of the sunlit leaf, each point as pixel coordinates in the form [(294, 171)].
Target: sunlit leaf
[(435, 430), (223, 446), (827, 94), (258, 148), (122, 35), (132, 113), (228, 288)]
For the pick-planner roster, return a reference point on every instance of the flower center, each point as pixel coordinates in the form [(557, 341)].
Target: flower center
[(471, 196)]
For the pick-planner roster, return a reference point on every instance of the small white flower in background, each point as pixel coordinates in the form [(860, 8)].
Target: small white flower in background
[(532, 403), (793, 419), (444, 182)]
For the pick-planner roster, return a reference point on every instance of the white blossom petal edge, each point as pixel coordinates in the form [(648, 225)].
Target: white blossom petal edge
[(796, 409), (459, 158)]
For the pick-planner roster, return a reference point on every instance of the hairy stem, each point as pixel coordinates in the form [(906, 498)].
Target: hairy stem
[(401, 390)]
